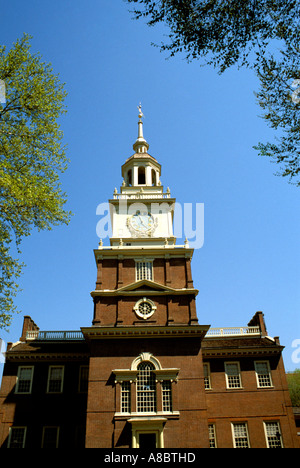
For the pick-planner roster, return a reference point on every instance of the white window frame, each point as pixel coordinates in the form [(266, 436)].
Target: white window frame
[(125, 396), (226, 364), (11, 429), (266, 432), (256, 363), (143, 264), (17, 390), (61, 382), (141, 302), (57, 434), (212, 436), (234, 438), (167, 396), (207, 378), (146, 388)]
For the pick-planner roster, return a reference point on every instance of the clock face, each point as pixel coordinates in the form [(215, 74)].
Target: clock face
[(142, 222)]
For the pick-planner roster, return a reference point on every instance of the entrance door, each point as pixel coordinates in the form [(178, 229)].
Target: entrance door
[(147, 440)]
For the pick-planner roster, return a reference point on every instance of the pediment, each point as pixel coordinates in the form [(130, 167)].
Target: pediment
[(145, 285)]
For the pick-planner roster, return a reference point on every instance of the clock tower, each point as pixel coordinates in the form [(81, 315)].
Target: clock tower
[(142, 213), (145, 339)]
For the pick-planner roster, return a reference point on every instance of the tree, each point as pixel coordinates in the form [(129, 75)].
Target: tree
[(293, 379), (31, 159), (242, 33), (279, 97)]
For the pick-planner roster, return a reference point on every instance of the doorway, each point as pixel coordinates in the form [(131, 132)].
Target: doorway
[(147, 440)]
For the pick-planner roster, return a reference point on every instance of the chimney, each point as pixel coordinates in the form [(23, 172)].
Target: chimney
[(258, 321), (28, 325)]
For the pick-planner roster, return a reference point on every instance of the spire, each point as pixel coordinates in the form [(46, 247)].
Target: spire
[(141, 145)]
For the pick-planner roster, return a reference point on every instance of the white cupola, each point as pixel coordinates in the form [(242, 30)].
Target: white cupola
[(141, 169)]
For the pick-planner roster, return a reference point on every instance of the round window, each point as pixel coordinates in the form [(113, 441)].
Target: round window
[(144, 308)]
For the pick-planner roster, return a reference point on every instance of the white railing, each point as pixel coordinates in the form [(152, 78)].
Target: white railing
[(54, 335), (232, 331), (123, 196), (77, 335)]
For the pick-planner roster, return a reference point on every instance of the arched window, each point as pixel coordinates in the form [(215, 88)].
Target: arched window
[(146, 388), (153, 177), (141, 176)]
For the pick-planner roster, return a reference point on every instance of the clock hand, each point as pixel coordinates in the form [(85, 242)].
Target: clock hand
[(142, 221)]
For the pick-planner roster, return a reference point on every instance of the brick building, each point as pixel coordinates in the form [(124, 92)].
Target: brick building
[(146, 373)]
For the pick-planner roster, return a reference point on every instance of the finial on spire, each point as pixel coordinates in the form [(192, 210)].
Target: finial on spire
[(140, 111), (140, 146)]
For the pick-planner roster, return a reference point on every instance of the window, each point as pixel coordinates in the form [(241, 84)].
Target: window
[(146, 388), (273, 434), (55, 379), (153, 177), (144, 308), (233, 377), (207, 381), (141, 176), (263, 374), (24, 379), (167, 395), (125, 397), (83, 379), (144, 270), (50, 437), (16, 437), (138, 386), (240, 435), (212, 436), (129, 177)]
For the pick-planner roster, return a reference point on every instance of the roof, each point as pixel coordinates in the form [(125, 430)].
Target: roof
[(240, 345), (51, 349)]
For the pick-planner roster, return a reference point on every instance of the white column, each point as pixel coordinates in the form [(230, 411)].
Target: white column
[(148, 175)]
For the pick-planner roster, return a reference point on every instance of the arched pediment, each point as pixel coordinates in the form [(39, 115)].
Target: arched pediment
[(145, 357)]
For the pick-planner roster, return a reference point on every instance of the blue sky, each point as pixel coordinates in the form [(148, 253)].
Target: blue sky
[(200, 126)]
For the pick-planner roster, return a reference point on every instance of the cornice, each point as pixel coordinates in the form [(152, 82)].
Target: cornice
[(225, 352), (23, 355), (150, 331), (144, 292), (132, 251)]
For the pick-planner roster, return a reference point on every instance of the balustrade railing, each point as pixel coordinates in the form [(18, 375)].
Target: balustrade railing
[(232, 331), (139, 195), (54, 335)]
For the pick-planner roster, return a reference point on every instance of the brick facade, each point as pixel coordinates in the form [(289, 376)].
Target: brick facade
[(146, 373)]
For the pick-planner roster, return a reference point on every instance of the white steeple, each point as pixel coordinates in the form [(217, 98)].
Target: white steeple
[(143, 214), (141, 145)]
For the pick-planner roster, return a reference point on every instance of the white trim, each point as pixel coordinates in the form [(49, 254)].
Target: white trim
[(269, 372), (147, 425), (233, 433), (62, 378), (150, 265), (147, 301), (279, 430), (145, 357), (227, 363), (208, 376), (10, 434), (19, 380)]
